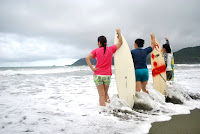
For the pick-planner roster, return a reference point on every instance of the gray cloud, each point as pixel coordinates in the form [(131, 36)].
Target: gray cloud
[(36, 30)]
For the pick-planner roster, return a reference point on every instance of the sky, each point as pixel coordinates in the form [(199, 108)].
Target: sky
[(50, 32)]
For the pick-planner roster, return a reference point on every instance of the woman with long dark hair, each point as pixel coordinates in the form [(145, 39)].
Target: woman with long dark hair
[(166, 50), (102, 70)]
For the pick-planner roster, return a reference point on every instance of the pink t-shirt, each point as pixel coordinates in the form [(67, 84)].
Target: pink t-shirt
[(104, 61)]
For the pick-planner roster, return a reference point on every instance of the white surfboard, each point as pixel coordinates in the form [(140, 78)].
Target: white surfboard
[(158, 69), (124, 72)]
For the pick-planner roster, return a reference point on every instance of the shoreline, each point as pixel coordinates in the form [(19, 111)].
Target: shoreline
[(179, 124)]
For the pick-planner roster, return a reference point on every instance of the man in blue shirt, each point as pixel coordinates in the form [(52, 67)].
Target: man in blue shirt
[(139, 56)]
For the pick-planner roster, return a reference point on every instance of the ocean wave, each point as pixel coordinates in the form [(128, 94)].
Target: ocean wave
[(50, 70), (187, 65), (73, 101)]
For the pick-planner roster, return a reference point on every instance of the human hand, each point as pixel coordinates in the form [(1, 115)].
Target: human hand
[(152, 36), (94, 69), (118, 31)]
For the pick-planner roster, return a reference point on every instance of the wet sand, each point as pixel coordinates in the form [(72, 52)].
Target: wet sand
[(179, 124)]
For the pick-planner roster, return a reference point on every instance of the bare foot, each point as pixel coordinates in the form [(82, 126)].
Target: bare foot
[(145, 91), (107, 99)]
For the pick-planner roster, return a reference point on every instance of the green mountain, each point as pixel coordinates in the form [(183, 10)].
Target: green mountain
[(189, 55), (82, 61)]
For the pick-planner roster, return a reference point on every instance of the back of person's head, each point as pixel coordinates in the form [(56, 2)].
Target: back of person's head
[(139, 42), (167, 48), (103, 41)]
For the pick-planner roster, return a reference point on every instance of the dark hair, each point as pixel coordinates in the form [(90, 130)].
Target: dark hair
[(139, 42), (167, 48), (103, 41)]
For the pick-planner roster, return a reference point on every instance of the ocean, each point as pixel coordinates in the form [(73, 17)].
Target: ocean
[(64, 100)]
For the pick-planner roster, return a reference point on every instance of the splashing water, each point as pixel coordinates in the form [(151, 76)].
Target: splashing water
[(65, 100)]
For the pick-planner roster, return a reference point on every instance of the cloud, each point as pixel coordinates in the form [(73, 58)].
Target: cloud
[(36, 30), (17, 48)]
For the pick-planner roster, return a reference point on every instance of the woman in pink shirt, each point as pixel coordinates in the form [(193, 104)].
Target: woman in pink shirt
[(103, 71)]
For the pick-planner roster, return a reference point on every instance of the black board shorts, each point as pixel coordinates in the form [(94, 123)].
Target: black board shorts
[(169, 75)]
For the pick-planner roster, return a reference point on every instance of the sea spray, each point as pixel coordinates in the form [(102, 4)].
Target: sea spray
[(64, 98)]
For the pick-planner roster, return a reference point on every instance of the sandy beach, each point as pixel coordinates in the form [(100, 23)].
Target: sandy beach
[(179, 124)]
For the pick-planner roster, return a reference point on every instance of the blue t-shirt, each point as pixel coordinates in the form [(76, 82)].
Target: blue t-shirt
[(140, 57)]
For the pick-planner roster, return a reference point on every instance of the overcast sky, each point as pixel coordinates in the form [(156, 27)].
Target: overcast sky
[(58, 32)]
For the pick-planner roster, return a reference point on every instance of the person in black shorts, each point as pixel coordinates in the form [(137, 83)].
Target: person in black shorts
[(166, 49)]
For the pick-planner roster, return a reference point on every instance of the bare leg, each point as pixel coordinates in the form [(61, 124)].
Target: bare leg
[(144, 86), (101, 92), (106, 94), (138, 86)]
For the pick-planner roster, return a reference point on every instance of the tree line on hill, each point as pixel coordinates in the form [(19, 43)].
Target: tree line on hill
[(189, 55)]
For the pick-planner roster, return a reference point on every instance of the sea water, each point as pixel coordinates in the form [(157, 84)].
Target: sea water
[(64, 100)]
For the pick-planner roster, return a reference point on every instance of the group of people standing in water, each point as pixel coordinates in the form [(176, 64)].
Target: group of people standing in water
[(102, 70)]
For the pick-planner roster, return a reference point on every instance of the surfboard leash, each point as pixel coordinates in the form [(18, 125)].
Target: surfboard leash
[(162, 77)]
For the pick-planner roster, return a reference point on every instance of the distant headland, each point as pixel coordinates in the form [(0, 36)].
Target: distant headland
[(189, 55)]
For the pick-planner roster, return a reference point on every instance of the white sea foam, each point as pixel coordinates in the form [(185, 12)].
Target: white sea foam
[(65, 100), (42, 70), (188, 65)]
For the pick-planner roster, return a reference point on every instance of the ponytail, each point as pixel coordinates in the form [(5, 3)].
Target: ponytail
[(105, 47), (103, 41)]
